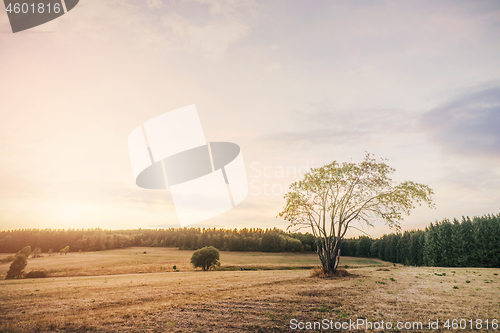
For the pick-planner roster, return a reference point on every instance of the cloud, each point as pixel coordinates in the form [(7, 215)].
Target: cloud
[(227, 7), (468, 124), (274, 68), (226, 23), (213, 38), (325, 126), (153, 4)]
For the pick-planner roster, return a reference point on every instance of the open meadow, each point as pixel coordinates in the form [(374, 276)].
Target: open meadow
[(160, 259), (129, 290)]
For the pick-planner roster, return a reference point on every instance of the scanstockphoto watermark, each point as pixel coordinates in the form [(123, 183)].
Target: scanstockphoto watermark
[(273, 180), (27, 14), (363, 324), (358, 324)]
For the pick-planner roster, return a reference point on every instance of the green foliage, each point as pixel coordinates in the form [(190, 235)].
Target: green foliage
[(469, 243), (472, 242), (363, 247), (331, 198), (17, 267), (276, 241), (184, 238), (206, 258)]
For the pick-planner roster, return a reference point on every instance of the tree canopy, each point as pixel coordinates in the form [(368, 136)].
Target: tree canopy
[(205, 258), (17, 267), (331, 198)]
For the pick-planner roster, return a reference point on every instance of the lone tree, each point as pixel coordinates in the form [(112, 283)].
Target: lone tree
[(205, 258), (16, 269), (64, 251), (331, 198), (37, 252), (26, 251)]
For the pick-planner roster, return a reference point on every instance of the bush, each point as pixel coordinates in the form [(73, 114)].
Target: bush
[(17, 267), (36, 274), (37, 252), (7, 259), (26, 251), (206, 258), (64, 250)]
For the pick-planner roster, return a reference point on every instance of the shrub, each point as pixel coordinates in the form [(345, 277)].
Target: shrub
[(7, 259), (26, 251), (64, 250), (37, 252), (206, 258), (16, 269), (36, 274)]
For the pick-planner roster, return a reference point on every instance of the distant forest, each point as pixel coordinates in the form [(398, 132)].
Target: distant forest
[(467, 243)]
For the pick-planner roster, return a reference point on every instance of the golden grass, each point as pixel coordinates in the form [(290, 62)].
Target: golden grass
[(160, 259), (319, 272), (245, 301)]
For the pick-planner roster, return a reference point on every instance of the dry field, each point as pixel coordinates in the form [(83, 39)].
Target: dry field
[(160, 259), (245, 301)]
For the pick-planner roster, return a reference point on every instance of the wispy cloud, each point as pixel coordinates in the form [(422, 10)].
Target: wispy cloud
[(226, 23), (325, 126), (227, 7), (212, 39), (468, 124), (153, 4)]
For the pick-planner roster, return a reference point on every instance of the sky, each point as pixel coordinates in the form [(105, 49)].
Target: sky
[(296, 84)]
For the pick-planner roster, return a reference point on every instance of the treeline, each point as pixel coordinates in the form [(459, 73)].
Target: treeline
[(268, 240), (467, 243)]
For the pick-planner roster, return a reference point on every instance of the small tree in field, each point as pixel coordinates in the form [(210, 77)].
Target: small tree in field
[(64, 250), (205, 258), (37, 252), (331, 198), (17, 267), (26, 251)]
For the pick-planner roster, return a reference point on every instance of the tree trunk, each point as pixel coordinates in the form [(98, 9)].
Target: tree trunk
[(330, 257)]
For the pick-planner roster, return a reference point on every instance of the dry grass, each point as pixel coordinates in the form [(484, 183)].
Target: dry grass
[(319, 272), (160, 259), (245, 301)]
